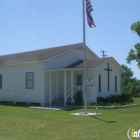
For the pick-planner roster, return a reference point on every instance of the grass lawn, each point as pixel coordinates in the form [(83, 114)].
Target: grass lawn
[(136, 100), (22, 123)]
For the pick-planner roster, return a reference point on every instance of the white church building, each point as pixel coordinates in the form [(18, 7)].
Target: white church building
[(47, 75)]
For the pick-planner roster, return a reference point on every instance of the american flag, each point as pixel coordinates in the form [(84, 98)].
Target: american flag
[(89, 9)]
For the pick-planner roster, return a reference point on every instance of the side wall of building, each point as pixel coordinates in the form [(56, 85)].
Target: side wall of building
[(14, 83)]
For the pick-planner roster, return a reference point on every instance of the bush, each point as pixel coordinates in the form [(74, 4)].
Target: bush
[(79, 98), (21, 103), (115, 99), (7, 103)]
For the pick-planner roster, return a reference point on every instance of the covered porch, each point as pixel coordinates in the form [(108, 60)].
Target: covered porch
[(63, 84)]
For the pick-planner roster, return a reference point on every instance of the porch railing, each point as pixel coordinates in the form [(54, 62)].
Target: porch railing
[(68, 93), (77, 88), (53, 94)]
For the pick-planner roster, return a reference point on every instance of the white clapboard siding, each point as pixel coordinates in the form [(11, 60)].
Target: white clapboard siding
[(14, 83), (104, 80)]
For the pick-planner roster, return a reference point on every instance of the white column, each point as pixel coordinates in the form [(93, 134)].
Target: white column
[(56, 84), (65, 78), (72, 85), (50, 87)]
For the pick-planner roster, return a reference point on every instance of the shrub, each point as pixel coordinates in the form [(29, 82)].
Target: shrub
[(21, 103), (79, 98), (115, 99), (6, 102)]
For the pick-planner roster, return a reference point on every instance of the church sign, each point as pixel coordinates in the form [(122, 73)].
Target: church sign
[(90, 89)]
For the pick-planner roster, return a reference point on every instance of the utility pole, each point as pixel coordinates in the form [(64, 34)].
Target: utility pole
[(104, 55)]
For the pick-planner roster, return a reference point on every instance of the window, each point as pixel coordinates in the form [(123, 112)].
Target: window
[(79, 80), (0, 81), (29, 80), (99, 82), (116, 83)]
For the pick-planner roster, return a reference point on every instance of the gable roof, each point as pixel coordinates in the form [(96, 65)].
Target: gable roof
[(92, 63), (75, 64), (36, 55)]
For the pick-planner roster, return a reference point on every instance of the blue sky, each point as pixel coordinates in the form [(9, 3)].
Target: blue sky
[(35, 24)]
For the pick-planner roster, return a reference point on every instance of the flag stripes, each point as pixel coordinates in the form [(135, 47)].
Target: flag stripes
[(89, 9)]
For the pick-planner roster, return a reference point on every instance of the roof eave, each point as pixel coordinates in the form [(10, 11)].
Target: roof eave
[(27, 62), (56, 69)]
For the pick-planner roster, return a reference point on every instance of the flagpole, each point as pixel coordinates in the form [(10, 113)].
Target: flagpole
[(84, 60)]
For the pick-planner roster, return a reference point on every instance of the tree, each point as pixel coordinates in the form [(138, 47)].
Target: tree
[(128, 72), (128, 84), (134, 54)]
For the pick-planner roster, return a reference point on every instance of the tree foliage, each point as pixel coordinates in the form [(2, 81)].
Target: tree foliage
[(136, 27), (128, 84), (128, 72), (134, 54)]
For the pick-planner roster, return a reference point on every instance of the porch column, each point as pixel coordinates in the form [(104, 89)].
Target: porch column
[(50, 87), (56, 84), (72, 85), (65, 78)]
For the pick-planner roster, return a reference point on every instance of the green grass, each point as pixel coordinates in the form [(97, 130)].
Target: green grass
[(136, 100), (21, 123)]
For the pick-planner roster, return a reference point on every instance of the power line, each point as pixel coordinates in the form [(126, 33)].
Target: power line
[(118, 50)]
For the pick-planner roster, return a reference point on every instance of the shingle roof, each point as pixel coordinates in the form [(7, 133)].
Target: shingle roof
[(36, 55), (93, 63), (75, 64)]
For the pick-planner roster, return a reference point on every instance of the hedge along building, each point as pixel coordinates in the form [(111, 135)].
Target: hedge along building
[(47, 75)]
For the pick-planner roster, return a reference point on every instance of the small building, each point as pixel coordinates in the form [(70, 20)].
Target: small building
[(47, 75)]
